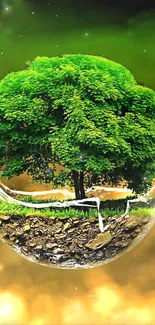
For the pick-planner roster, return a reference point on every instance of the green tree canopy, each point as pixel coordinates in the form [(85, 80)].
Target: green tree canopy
[(86, 114)]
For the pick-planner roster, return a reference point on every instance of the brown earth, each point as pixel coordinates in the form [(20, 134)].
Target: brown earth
[(71, 242)]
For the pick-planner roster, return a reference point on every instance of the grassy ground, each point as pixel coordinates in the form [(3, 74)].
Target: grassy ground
[(143, 212), (15, 209)]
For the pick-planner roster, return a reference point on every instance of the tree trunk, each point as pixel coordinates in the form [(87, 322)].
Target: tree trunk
[(82, 191), (79, 184), (76, 185)]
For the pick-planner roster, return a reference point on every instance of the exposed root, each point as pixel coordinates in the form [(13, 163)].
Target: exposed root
[(141, 199), (5, 196)]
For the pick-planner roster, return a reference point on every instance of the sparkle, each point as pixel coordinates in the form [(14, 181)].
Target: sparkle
[(86, 34), (7, 9), (56, 45), (91, 296), (2, 53), (32, 12), (56, 16), (144, 50), (75, 288)]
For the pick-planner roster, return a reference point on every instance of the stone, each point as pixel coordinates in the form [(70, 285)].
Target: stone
[(60, 236), (112, 226), (137, 231), (34, 219), (12, 226), (81, 246), (85, 230), (68, 242), (71, 230), (57, 230), (19, 233), (100, 254), (24, 248), (59, 224), (4, 217), (51, 245), (39, 247), (66, 225), (121, 243), (100, 240), (36, 225), (133, 222), (27, 228), (77, 256), (85, 224), (64, 257), (92, 220), (58, 251), (4, 235), (146, 219), (71, 247), (70, 262), (62, 218), (12, 238), (32, 245), (114, 218), (75, 222)]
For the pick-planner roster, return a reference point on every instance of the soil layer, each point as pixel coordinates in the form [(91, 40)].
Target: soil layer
[(71, 242)]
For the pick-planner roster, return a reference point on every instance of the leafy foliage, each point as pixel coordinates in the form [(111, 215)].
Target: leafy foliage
[(83, 113)]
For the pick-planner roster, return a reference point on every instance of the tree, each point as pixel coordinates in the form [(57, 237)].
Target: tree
[(83, 113)]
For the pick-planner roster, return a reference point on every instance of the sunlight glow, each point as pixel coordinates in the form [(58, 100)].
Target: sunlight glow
[(11, 309), (106, 300)]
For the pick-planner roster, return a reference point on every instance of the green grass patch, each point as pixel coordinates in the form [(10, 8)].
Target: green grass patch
[(143, 212), (15, 209), (19, 210)]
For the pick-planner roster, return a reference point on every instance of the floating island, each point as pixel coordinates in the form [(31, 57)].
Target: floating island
[(71, 237)]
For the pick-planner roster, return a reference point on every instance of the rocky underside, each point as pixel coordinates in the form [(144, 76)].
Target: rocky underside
[(70, 242)]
